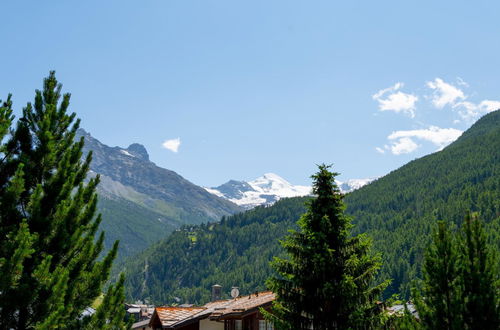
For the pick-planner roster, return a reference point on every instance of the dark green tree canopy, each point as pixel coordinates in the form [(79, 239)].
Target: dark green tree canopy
[(49, 266), (326, 281), (460, 287)]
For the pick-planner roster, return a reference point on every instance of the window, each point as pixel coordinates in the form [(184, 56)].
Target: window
[(264, 325), (238, 325)]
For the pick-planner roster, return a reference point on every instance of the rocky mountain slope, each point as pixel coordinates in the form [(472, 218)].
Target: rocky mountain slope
[(142, 202)]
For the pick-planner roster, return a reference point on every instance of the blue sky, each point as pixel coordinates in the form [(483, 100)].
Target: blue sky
[(244, 88)]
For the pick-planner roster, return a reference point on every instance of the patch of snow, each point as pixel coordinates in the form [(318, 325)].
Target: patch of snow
[(353, 184), (273, 184), (125, 152), (214, 192)]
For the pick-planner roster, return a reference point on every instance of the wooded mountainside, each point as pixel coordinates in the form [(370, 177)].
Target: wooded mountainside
[(398, 211)]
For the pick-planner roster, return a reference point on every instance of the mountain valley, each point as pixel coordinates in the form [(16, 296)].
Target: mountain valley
[(398, 211)]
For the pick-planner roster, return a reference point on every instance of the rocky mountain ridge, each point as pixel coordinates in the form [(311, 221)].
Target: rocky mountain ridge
[(160, 200)]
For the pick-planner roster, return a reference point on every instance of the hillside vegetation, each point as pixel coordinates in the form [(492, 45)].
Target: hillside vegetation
[(234, 252), (398, 211)]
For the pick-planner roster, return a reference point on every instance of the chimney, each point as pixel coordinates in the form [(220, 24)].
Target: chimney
[(216, 292)]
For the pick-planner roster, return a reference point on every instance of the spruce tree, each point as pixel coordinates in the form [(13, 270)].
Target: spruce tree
[(460, 288), (479, 277), (439, 302), (326, 281), (49, 257)]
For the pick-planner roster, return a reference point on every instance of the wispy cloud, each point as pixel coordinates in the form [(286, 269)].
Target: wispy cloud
[(392, 99), (172, 144), (471, 111), (462, 82), (444, 93), (402, 142)]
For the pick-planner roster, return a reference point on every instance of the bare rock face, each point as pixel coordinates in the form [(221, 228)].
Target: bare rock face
[(151, 194), (139, 151)]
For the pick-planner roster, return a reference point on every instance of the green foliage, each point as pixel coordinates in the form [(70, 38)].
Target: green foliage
[(400, 210), (460, 287), (110, 312), (326, 281), (48, 253), (234, 252), (441, 305), (136, 227)]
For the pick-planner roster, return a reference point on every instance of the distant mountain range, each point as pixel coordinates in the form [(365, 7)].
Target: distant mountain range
[(141, 202), (269, 188)]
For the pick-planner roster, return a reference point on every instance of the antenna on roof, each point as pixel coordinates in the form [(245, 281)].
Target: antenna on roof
[(235, 292)]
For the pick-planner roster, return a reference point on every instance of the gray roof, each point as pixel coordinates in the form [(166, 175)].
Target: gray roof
[(141, 324)]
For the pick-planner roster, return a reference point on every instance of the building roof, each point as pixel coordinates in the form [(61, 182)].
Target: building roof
[(140, 324), (400, 309), (171, 316), (134, 310), (240, 305)]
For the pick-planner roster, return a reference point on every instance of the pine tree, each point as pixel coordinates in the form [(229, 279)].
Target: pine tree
[(479, 278), (326, 280), (460, 288), (49, 257), (440, 306)]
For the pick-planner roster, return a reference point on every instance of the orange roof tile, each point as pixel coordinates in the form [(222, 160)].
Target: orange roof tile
[(174, 316), (241, 304), (169, 316)]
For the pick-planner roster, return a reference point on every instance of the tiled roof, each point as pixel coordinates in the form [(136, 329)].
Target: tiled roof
[(240, 305), (170, 316), (175, 316)]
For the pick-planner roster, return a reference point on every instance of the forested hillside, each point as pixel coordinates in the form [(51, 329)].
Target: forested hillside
[(234, 252), (398, 211)]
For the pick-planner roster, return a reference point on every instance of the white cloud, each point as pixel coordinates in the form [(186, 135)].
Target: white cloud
[(391, 99), (440, 137), (489, 105), (461, 82), (172, 144), (445, 93), (403, 145), (380, 150), (470, 111)]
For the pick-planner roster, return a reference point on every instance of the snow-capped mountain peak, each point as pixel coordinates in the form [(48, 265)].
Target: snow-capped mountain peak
[(273, 184), (353, 184), (269, 188)]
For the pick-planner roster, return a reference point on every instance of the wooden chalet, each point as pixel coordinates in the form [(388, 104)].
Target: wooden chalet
[(241, 313)]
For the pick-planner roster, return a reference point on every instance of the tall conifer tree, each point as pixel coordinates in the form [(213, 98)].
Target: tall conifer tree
[(460, 287), (326, 281), (479, 276), (439, 302), (49, 266)]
